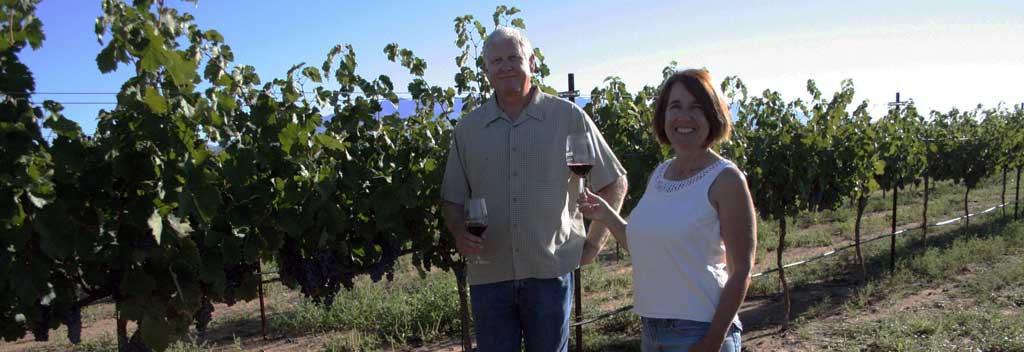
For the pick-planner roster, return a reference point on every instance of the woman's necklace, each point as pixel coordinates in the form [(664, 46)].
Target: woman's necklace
[(684, 172)]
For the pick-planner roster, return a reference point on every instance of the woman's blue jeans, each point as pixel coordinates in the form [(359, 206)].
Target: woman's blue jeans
[(671, 335)]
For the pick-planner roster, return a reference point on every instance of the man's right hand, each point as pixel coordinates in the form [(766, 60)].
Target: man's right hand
[(469, 244)]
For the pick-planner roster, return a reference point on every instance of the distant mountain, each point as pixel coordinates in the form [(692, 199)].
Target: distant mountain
[(407, 107)]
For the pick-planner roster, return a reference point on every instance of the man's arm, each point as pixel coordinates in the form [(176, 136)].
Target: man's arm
[(614, 194), (455, 186)]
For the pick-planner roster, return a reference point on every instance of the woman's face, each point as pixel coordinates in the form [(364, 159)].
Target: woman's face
[(685, 125)]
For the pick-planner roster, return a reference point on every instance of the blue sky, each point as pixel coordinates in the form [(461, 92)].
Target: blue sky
[(939, 53)]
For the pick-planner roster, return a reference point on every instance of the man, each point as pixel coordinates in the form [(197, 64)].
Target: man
[(511, 152)]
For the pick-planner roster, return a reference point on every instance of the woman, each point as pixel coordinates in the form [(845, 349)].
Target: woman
[(692, 235)]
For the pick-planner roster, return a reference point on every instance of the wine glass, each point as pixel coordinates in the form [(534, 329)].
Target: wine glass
[(476, 221), (579, 155)]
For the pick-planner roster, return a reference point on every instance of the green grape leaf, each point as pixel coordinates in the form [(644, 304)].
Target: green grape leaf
[(62, 126), (879, 167), (156, 224), (52, 237), (288, 137), (155, 101), (213, 36), (330, 142), (137, 283), (37, 201), (207, 201), (105, 60), (313, 74), (181, 227), (155, 332), (182, 71)]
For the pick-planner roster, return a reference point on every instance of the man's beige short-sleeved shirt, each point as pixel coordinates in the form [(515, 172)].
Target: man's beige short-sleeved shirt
[(519, 168)]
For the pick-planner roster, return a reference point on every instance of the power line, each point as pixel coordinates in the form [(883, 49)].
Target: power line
[(115, 93), (576, 93), (59, 93), (21, 95)]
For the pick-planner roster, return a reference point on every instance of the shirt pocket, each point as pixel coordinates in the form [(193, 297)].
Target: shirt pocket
[(484, 171), (547, 184), (546, 163)]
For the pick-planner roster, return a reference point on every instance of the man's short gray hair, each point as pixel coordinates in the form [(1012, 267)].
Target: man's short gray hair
[(509, 33)]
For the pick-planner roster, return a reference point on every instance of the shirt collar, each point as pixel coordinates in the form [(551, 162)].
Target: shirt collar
[(532, 108)]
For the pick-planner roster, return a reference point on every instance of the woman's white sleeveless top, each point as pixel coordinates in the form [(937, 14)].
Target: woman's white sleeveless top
[(676, 247)]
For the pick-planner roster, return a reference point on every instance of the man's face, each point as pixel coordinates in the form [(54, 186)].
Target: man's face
[(508, 68)]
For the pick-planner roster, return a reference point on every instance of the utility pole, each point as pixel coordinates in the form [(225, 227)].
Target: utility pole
[(578, 274), (895, 190)]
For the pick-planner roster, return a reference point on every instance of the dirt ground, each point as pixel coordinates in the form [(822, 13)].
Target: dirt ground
[(761, 317)]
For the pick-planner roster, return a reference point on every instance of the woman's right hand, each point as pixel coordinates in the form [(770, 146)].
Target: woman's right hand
[(595, 208)]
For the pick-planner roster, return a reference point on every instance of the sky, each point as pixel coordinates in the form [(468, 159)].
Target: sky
[(940, 54)]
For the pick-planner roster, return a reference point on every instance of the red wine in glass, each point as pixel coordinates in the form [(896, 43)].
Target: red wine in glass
[(580, 169), (476, 221), (476, 229), (580, 155)]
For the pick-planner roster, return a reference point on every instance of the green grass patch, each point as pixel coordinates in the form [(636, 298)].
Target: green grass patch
[(985, 310), (396, 313), (351, 341), (963, 329)]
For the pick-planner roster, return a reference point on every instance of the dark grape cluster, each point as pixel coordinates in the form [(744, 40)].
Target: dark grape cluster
[(41, 333), (322, 277), (204, 315), (289, 261), (319, 276), (41, 328), (144, 243), (386, 265), (74, 323), (234, 275), (135, 344)]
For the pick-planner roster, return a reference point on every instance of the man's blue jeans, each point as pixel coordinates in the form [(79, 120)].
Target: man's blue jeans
[(534, 310)]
